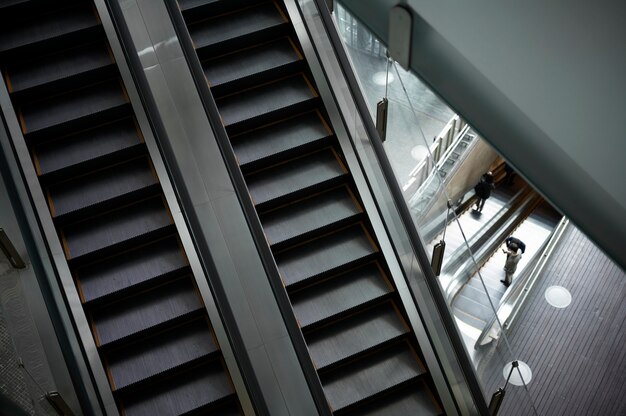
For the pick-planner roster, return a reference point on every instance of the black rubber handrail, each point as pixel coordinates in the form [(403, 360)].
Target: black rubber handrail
[(254, 224), (189, 213), (403, 210)]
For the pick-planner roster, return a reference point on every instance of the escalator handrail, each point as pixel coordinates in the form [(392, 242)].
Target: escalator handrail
[(254, 224), (398, 199)]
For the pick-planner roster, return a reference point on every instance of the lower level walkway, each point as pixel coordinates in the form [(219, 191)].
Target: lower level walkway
[(576, 354)]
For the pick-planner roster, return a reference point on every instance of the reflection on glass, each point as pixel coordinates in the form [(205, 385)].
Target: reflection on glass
[(437, 160)]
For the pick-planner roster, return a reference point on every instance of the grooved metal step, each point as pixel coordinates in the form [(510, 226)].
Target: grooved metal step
[(316, 212), (355, 334), (266, 99), (294, 176), (138, 313), (115, 227), (250, 61), (339, 294), (147, 358), (104, 140), (72, 105), (279, 138), (324, 254), (131, 268), (354, 382), (100, 186), (234, 25), (58, 67)]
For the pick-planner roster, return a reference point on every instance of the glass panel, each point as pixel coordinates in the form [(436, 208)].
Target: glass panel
[(425, 143)]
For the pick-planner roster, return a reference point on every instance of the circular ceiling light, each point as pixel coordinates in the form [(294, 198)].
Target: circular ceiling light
[(558, 296), (516, 380)]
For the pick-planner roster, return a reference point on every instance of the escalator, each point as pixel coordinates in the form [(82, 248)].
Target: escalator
[(327, 256), (145, 312)]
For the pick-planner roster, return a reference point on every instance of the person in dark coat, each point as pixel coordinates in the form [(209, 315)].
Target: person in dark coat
[(483, 190), (513, 256), (509, 176), (519, 243)]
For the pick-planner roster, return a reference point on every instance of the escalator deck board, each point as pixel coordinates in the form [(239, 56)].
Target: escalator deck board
[(191, 391), (339, 293), (86, 145), (265, 99), (146, 310), (364, 378), (153, 356), (296, 175), (234, 25), (134, 267), (324, 254), (353, 335), (250, 61), (115, 227), (73, 105), (279, 137)]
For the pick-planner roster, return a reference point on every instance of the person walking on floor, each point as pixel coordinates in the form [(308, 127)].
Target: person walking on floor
[(483, 190), (510, 266)]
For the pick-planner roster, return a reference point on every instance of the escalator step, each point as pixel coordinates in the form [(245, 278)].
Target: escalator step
[(49, 26), (197, 389), (244, 22), (313, 213), (211, 7), (103, 185), (339, 294), (276, 139), (324, 254), (250, 61), (252, 104), (161, 353), (415, 399), (61, 66), (115, 227), (7, 3), (146, 310), (355, 334), (359, 380), (132, 268), (102, 141), (294, 176), (73, 105)]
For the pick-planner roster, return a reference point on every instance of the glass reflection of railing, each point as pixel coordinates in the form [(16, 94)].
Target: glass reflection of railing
[(442, 142), (420, 193), (357, 38)]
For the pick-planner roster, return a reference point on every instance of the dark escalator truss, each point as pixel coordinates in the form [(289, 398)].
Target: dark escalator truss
[(337, 280), (137, 290)]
